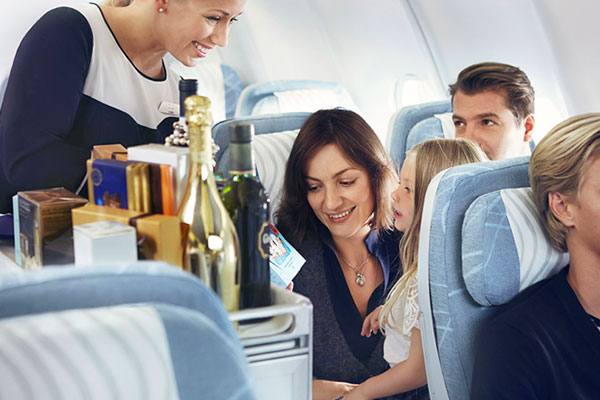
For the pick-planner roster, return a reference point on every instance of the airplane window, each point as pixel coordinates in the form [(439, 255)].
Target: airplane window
[(413, 90)]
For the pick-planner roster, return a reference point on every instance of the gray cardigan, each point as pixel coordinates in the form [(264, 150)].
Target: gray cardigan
[(333, 358)]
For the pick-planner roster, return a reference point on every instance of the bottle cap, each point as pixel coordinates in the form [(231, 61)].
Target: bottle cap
[(241, 133), (187, 87)]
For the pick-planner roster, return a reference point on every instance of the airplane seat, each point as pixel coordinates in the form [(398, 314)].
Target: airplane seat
[(68, 287), (137, 351), (285, 96), (481, 243), (413, 124), (273, 140), (219, 82), (3, 88)]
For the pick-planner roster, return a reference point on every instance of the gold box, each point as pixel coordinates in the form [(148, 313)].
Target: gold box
[(93, 213), (161, 238), (112, 151)]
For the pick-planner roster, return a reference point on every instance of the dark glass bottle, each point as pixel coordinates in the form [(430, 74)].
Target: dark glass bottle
[(180, 137), (248, 205), (212, 249)]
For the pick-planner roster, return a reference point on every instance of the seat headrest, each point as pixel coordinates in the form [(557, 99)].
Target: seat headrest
[(284, 96), (272, 152), (504, 246), (70, 354), (309, 100)]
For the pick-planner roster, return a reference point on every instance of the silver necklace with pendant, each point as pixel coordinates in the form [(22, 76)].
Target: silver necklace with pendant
[(360, 278)]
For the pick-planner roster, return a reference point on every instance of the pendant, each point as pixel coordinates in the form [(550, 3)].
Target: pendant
[(360, 279)]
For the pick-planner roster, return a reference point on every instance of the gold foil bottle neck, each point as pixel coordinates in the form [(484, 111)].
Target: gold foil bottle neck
[(197, 110), (199, 122)]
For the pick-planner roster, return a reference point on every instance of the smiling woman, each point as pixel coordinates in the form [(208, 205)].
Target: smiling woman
[(336, 210), (102, 80)]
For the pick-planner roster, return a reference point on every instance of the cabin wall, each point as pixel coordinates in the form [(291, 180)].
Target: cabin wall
[(572, 29), (371, 51), (399, 52)]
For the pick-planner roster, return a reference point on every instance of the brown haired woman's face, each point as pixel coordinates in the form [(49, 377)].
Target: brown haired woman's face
[(339, 193)]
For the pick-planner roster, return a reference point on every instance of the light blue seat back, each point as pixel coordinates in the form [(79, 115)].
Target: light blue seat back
[(451, 317), (67, 287), (275, 135), (400, 139), (145, 351), (233, 89), (285, 96)]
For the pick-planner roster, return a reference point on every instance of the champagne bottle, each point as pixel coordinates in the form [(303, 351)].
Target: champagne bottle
[(212, 250), (248, 205), (180, 137)]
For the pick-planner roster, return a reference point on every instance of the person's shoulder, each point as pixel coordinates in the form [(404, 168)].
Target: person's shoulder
[(533, 306), (63, 16), (60, 25)]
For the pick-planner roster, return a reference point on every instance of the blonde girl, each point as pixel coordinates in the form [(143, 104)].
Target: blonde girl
[(399, 316)]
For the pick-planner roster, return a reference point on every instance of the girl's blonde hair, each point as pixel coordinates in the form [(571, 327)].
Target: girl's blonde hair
[(431, 157)]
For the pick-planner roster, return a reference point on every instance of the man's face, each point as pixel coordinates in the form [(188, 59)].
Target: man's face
[(584, 217), (485, 119)]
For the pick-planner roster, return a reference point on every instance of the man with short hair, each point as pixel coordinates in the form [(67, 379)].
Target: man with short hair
[(545, 344), (493, 105)]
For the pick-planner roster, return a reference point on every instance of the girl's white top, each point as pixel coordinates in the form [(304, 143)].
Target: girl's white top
[(405, 316)]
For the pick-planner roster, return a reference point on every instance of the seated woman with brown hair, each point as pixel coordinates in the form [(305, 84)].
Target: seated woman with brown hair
[(336, 210)]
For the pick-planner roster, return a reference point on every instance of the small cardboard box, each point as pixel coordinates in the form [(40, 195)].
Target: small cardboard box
[(110, 151), (161, 238), (44, 226), (104, 242), (94, 213)]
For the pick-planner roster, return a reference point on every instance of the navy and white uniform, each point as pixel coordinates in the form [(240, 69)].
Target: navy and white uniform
[(71, 87)]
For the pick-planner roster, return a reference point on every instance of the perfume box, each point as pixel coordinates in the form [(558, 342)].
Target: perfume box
[(45, 235), (110, 151), (175, 157), (104, 242), (119, 184)]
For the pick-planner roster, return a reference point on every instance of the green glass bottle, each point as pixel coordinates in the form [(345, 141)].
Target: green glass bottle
[(212, 250), (248, 205)]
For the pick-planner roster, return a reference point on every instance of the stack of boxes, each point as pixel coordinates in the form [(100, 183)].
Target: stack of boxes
[(139, 197)]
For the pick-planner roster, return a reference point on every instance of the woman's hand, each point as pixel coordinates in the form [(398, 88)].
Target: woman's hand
[(290, 287), (328, 390), (371, 323), (356, 394)]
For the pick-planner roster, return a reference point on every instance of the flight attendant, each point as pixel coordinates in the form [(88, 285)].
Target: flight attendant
[(94, 74)]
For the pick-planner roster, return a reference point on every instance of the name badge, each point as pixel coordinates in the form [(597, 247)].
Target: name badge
[(169, 108)]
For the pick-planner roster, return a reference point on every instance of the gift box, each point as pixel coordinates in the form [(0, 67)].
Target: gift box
[(45, 226), (119, 184), (160, 238), (109, 151), (175, 157), (94, 213), (104, 242)]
